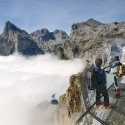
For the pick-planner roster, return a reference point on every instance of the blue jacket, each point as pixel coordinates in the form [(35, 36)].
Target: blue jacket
[(101, 74)]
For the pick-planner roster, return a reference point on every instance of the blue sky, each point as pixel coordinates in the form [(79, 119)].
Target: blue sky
[(31, 15)]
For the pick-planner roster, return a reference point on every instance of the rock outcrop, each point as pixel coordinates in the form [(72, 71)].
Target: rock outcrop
[(70, 104), (92, 39), (13, 39)]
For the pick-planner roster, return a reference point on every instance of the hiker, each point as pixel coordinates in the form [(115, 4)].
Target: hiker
[(114, 69), (87, 74), (101, 89)]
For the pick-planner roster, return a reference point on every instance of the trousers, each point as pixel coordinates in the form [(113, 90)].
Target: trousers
[(101, 89), (116, 81)]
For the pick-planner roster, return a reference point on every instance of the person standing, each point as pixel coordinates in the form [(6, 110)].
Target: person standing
[(101, 89), (115, 67)]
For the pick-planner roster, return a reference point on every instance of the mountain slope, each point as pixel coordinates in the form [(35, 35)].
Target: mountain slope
[(14, 39), (91, 39)]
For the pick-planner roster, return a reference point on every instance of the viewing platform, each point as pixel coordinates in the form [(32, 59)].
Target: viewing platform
[(101, 115)]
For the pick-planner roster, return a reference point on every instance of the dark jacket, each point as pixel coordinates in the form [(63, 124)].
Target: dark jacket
[(101, 74)]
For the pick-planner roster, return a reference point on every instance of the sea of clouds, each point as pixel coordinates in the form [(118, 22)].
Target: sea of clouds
[(27, 81)]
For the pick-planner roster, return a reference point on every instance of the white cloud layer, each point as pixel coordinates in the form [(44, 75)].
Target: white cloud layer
[(25, 82)]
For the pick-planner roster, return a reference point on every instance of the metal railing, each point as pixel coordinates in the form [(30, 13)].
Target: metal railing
[(88, 111)]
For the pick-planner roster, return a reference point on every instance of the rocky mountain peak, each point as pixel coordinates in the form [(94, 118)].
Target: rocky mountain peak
[(10, 26), (60, 35), (13, 39), (43, 31), (116, 23), (59, 32), (44, 35), (40, 35), (92, 22)]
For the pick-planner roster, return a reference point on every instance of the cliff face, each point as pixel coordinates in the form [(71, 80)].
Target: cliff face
[(70, 104), (76, 100), (92, 29), (13, 39), (92, 39)]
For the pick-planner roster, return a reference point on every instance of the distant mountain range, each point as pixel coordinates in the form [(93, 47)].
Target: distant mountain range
[(87, 39), (39, 42)]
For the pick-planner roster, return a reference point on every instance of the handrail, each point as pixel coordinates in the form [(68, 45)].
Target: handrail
[(119, 110), (98, 119), (88, 110)]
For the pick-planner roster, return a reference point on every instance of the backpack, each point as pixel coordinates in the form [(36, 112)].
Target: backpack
[(93, 80), (121, 71)]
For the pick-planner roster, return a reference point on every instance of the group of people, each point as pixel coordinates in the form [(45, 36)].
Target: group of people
[(101, 76)]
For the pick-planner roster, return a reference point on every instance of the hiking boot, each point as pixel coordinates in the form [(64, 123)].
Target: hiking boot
[(97, 105), (109, 106)]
